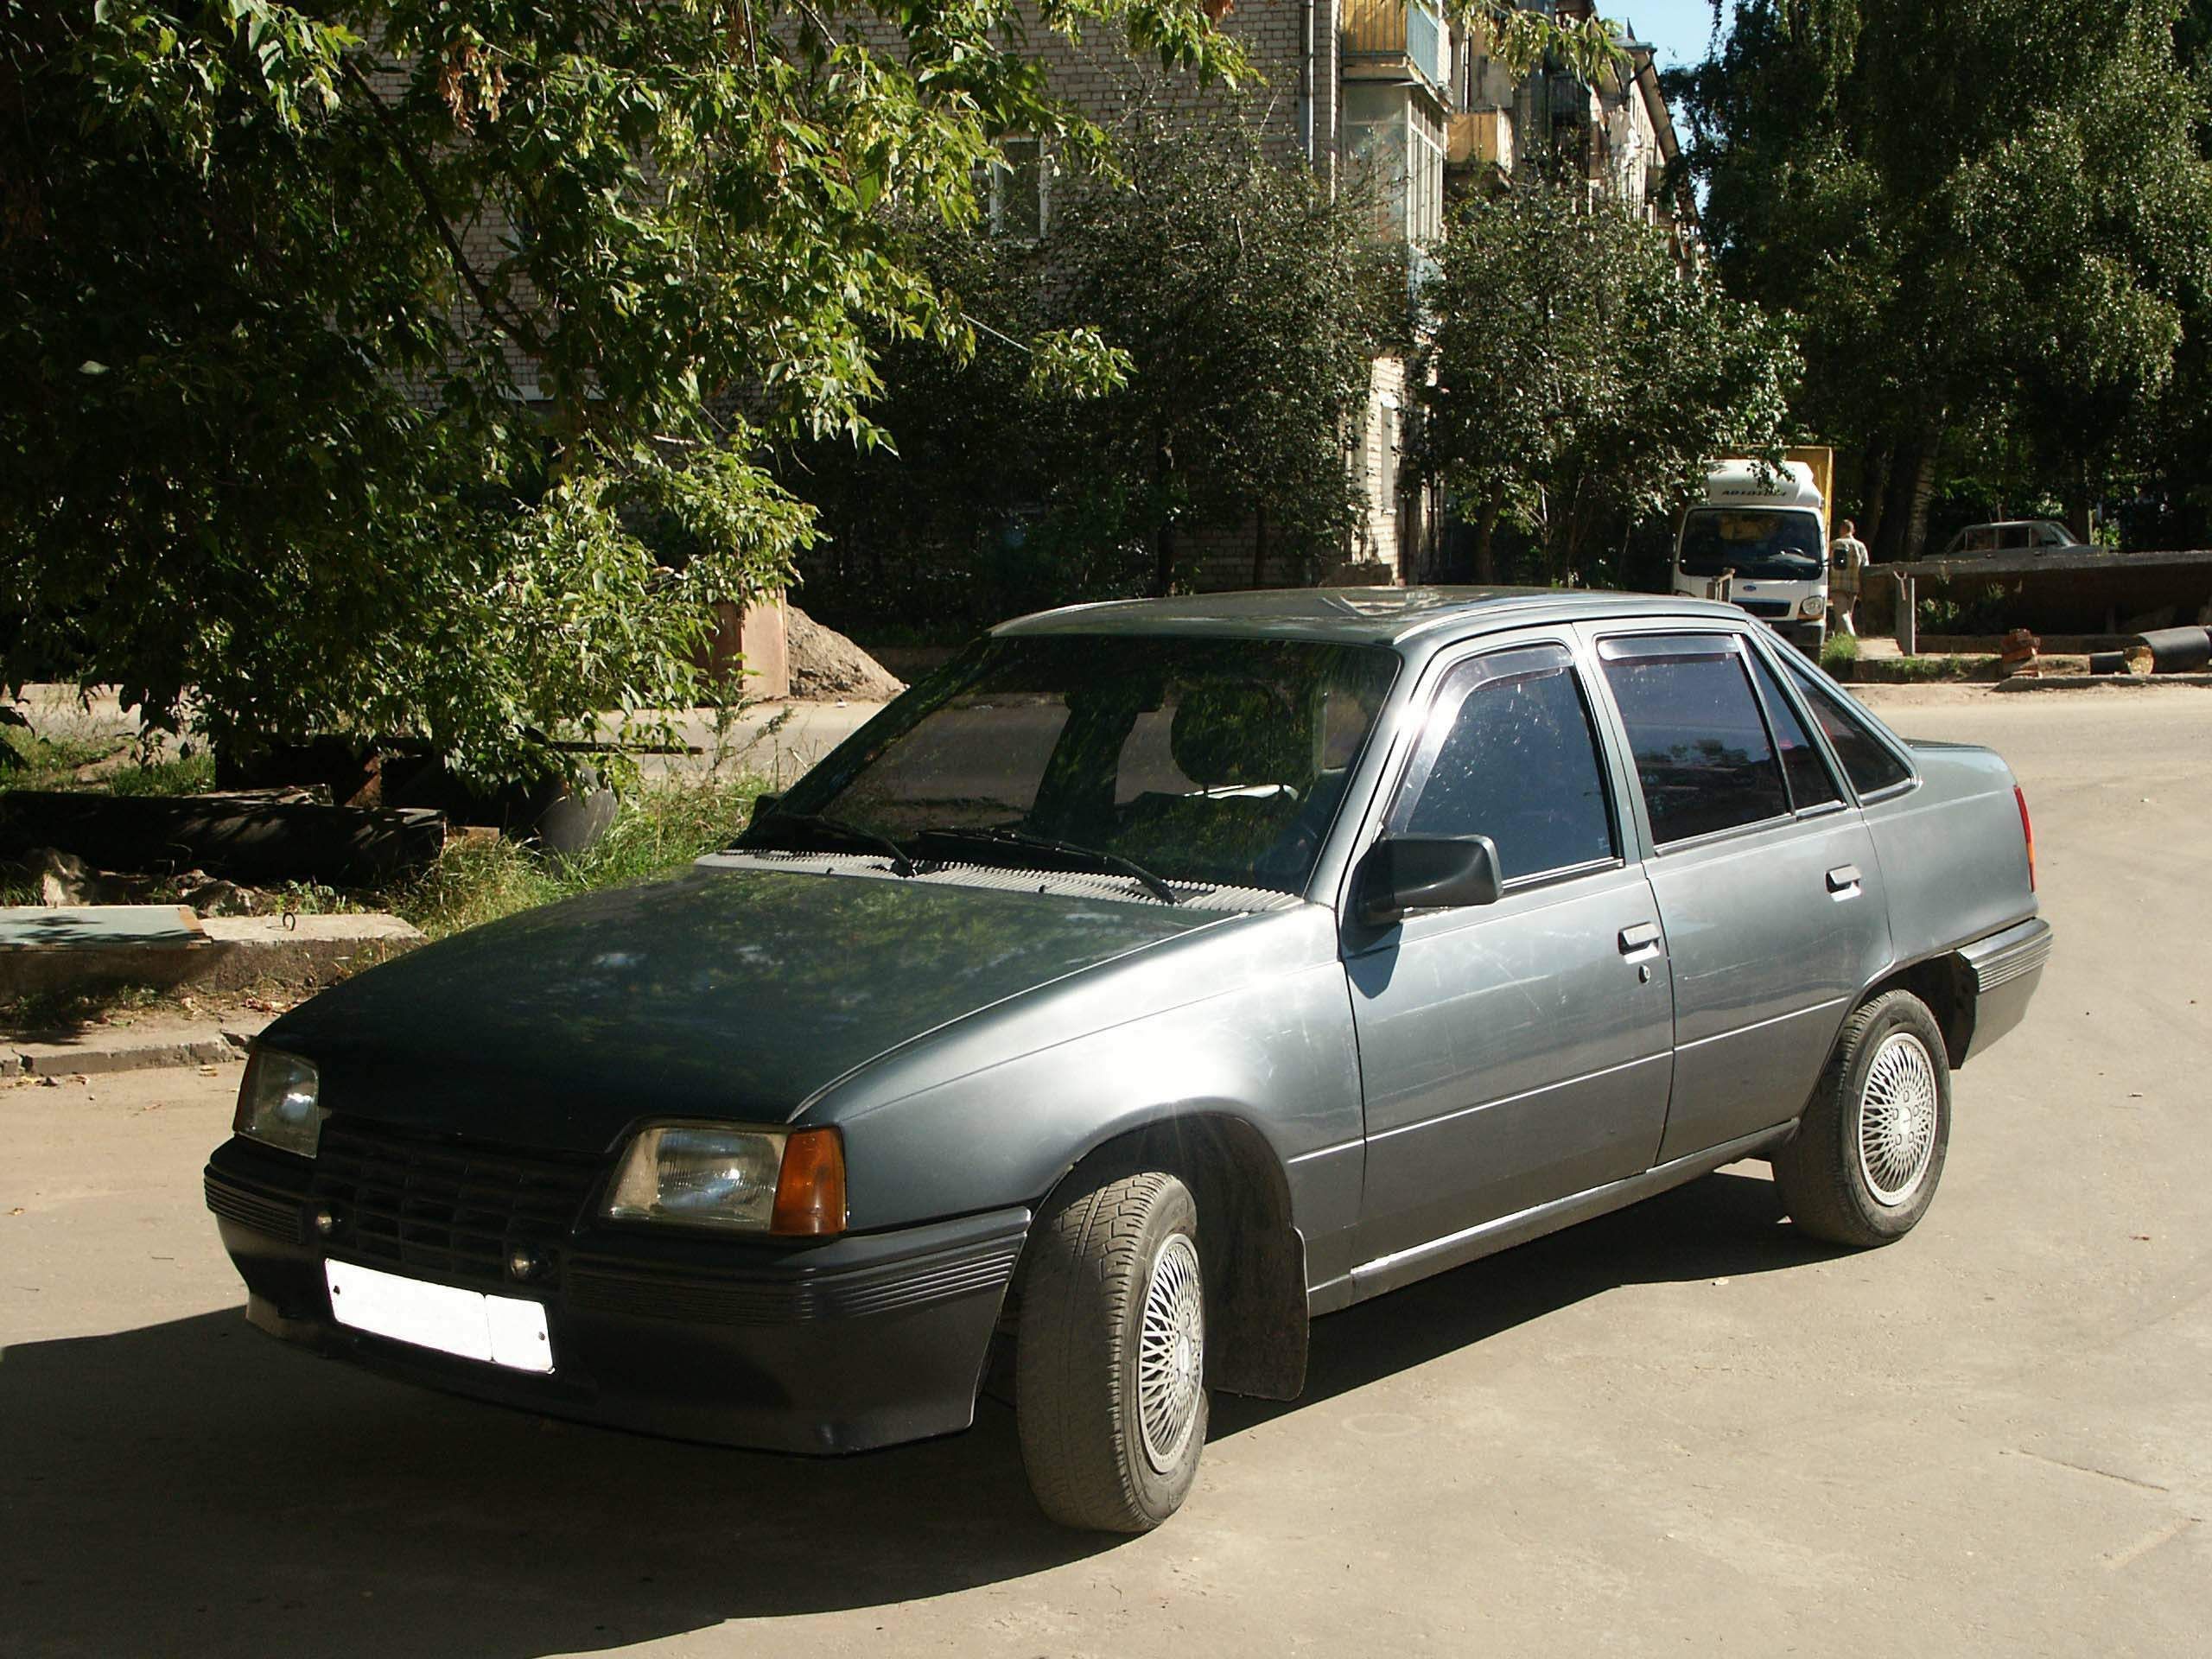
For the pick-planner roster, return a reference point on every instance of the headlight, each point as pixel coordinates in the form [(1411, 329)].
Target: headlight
[(280, 1103), (743, 1180), (1811, 605)]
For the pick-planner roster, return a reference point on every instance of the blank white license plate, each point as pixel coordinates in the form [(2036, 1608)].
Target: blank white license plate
[(499, 1329)]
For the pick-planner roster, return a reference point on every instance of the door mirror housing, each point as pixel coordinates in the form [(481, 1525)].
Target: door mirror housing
[(1403, 872)]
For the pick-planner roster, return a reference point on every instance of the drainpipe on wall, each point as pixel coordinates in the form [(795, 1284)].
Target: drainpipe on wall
[(1305, 135)]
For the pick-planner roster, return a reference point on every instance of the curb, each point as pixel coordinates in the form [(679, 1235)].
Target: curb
[(2092, 682), (207, 1046)]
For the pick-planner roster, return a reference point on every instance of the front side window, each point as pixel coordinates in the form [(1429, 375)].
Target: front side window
[(1212, 761), (1509, 753), (1868, 761), (1702, 753)]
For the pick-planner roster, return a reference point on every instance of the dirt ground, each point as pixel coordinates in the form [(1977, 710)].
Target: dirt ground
[(1681, 1429)]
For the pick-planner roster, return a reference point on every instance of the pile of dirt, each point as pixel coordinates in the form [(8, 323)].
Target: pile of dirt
[(827, 666)]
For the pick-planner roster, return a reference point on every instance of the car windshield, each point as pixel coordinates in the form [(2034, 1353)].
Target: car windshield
[(1212, 761), (1773, 545)]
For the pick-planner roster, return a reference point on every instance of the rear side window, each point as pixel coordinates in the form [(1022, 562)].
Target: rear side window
[(1509, 754), (1702, 753), (1866, 757), (1809, 783)]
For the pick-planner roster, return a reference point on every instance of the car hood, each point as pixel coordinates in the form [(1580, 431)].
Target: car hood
[(720, 993)]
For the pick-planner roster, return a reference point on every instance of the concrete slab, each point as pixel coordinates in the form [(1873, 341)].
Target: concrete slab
[(139, 1046), (86, 950), (98, 926)]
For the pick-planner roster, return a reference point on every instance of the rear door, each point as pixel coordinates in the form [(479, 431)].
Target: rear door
[(1516, 1052), (1765, 874)]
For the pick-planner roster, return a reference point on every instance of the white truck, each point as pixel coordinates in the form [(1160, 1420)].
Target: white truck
[(1759, 539)]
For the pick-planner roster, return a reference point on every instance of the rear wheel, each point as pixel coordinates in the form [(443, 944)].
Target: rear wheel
[(1109, 1358), (1867, 1156)]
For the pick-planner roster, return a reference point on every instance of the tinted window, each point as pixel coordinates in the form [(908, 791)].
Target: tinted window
[(1509, 754), (1809, 782), (1864, 757), (1701, 750)]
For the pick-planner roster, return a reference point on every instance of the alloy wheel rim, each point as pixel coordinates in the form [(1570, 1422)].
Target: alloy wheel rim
[(1171, 1354), (1898, 1109)]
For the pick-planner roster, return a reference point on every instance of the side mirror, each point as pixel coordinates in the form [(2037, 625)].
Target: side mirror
[(1425, 872)]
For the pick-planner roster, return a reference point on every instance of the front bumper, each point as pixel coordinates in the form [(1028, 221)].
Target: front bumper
[(828, 1347)]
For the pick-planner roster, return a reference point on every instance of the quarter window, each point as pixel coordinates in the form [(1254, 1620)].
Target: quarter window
[(1702, 753), (1511, 753), (1868, 761), (1809, 783)]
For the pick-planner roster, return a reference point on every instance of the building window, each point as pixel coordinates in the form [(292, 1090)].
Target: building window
[(1020, 203)]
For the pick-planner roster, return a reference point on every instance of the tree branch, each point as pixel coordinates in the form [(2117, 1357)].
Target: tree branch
[(516, 328)]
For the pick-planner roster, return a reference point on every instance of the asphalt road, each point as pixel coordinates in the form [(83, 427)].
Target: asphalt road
[(1681, 1429)]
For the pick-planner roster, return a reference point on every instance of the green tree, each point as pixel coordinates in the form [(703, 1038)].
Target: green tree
[(408, 366), (1247, 301), (1580, 379), (1992, 219)]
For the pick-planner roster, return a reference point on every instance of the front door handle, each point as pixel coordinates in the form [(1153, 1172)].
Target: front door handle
[(1640, 941), (1845, 882)]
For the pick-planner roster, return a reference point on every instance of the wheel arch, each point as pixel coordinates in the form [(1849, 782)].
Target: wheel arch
[(1946, 984), (1252, 1252)]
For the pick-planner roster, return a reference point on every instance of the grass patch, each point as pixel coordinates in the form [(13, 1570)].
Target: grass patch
[(1838, 651), (194, 774), (661, 827), (56, 763), (45, 762)]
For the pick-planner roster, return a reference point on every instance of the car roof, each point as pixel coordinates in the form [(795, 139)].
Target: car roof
[(2010, 524), (1386, 616)]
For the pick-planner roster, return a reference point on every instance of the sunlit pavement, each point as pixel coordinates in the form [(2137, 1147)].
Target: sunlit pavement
[(1681, 1429)]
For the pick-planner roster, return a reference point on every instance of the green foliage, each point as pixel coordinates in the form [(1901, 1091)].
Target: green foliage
[(1205, 316), (660, 828), (405, 368), (1838, 653), (1580, 380), (1995, 220)]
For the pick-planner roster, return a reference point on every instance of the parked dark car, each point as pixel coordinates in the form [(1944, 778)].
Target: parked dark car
[(1151, 979)]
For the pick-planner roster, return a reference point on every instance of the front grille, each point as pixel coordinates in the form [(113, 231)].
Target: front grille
[(279, 1218), (1765, 607), (444, 1206)]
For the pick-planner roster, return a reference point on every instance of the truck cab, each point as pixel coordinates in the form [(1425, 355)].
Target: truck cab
[(1759, 539)]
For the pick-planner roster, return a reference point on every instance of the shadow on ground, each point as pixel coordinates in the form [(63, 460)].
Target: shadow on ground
[(192, 1488)]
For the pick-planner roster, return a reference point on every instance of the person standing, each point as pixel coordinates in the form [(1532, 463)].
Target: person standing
[(1847, 560)]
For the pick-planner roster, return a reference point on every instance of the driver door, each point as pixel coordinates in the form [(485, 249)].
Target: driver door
[(1521, 1051)]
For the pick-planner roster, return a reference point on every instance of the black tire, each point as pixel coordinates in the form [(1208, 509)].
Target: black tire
[(1078, 1405), (1864, 1193)]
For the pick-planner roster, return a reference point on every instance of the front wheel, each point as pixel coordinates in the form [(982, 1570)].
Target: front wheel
[(1863, 1169), (1109, 1356)]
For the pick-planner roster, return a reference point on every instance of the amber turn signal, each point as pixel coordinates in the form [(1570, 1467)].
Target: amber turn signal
[(810, 1189)]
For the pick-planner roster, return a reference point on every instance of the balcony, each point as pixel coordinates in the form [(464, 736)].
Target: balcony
[(1480, 138), (1385, 39)]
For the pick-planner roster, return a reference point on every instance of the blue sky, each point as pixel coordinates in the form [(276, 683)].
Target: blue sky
[(1680, 28)]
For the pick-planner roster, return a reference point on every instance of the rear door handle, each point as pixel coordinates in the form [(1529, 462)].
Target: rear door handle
[(1845, 882), (1640, 941)]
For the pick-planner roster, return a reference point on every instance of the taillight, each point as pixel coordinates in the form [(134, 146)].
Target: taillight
[(2027, 833)]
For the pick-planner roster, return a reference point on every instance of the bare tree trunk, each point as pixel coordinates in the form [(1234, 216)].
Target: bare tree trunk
[(2077, 498), (1486, 537), (1923, 493), (1873, 486)]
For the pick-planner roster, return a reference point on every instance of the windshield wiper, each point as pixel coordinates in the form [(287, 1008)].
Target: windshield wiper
[(857, 834), (1150, 882)]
